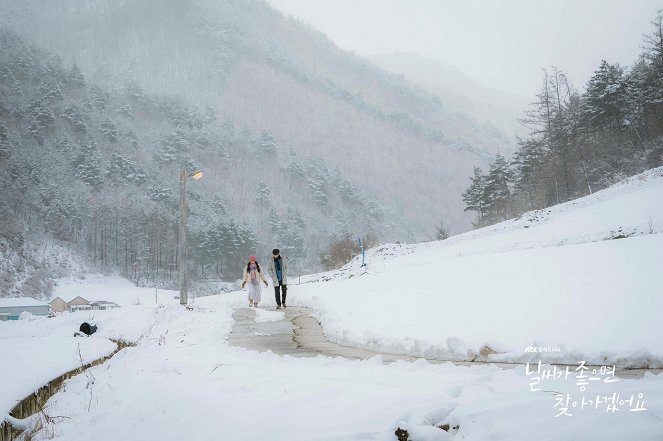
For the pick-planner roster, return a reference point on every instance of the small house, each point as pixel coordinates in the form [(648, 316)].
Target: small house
[(59, 305), (78, 303), (103, 305), (12, 307)]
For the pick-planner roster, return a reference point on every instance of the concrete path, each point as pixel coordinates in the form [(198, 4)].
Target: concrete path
[(299, 334)]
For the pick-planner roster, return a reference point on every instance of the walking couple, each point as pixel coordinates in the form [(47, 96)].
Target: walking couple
[(278, 270)]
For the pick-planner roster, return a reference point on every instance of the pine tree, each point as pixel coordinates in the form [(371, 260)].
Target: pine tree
[(497, 191), (294, 168), (654, 86), (318, 181), (474, 195), (109, 130), (77, 117), (175, 149), (636, 118), (266, 145), (100, 98), (87, 163), (606, 97), (76, 78), (277, 228), (528, 163), (125, 171), (262, 195), (295, 243)]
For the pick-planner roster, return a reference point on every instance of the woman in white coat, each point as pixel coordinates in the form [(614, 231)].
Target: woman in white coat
[(252, 277)]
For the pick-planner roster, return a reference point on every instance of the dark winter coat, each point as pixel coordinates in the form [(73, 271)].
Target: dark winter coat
[(284, 270)]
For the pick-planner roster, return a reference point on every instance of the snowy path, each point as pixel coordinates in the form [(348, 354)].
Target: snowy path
[(295, 332)]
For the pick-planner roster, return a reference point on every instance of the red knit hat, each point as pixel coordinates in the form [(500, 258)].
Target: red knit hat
[(252, 258)]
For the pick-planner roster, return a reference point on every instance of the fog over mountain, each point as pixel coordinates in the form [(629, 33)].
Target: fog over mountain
[(459, 91), (289, 129)]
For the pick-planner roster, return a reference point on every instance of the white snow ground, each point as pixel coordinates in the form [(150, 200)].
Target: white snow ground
[(183, 381), (550, 279), (556, 284), (96, 287), (30, 362)]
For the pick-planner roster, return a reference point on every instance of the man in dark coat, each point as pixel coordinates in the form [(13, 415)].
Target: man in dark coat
[(278, 269)]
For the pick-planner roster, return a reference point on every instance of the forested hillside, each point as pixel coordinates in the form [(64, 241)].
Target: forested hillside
[(251, 65), (581, 141), (301, 143), (98, 169)]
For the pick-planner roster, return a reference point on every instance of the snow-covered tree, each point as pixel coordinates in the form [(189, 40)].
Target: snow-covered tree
[(474, 195), (606, 97)]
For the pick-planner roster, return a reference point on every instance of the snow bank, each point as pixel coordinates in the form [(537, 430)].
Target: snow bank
[(28, 363), (39, 350)]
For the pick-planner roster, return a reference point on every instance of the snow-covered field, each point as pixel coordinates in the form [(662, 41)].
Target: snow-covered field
[(31, 361), (549, 280), (96, 287), (183, 381)]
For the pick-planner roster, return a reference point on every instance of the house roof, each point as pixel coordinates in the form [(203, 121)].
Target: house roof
[(104, 302), (8, 302), (70, 298)]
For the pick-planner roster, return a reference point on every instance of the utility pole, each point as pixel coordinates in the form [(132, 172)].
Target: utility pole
[(183, 252)]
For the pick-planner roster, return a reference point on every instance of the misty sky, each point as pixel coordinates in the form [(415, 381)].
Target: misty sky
[(504, 44)]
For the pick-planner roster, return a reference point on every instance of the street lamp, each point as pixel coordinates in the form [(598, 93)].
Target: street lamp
[(184, 295)]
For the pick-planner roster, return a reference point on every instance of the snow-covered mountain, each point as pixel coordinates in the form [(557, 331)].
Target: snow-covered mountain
[(301, 143), (252, 66)]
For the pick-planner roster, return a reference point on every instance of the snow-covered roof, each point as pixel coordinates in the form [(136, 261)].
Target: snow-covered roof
[(8, 302), (104, 303)]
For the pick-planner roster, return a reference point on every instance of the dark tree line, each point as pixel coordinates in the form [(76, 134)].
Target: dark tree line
[(580, 141)]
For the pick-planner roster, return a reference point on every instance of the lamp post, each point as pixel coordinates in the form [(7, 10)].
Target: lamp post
[(183, 257)]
